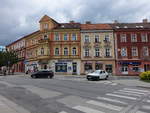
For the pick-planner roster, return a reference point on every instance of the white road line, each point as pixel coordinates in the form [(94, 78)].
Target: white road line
[(86, 109), (132, 92), (140, 112), (121, 96), (146, 107), (43, 93), (114, 84), (144, 91), (112, 100), (62, 112), (105, 105), (148, 101)]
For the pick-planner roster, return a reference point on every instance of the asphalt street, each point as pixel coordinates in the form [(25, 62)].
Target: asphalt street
[(71, 95)]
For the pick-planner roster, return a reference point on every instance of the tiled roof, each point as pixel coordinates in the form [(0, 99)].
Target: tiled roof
[(22, 38), (46, 18), (95, 26), (131, 26), (68, 26)]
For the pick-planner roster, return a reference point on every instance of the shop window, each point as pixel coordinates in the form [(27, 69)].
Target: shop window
[(108, 68), (98, 66), (61, 67), (124, 69), (135, 69), (87, 66)]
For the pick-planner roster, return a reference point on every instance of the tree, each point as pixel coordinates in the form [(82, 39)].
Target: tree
[(8, 58)]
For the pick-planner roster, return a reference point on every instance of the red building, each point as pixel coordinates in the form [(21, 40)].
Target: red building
[(132, 47)]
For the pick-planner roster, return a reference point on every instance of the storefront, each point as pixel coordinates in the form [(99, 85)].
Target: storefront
[(31, 66), (129, 67), (89, 66), (65, 66)]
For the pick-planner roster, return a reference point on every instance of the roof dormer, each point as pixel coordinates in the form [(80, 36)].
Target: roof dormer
[(47, 23)]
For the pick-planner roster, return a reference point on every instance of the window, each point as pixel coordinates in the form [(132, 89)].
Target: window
[(109, 68), (144, 37), (98, 66), (45, 36), (88, 66), (86, 38), (123, 38), (124, 51), (133, 38), (65, 37), (145, 51), (86, 52), (107, 38), (56, 51), (74, 52), (96, 38), (97, 52), (136, 69), (107, 52), (134, 51), (42, 51), (56, 36), (45, 26), (74, 37), (66, 51)]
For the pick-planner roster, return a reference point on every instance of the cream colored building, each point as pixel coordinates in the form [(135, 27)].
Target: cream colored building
[(97, 48)]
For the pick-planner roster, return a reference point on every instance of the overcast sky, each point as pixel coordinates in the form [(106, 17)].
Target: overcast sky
[(20, 17)]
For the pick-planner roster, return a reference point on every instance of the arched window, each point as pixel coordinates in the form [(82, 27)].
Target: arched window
[(74, 51), (65, 51), (56, 51)]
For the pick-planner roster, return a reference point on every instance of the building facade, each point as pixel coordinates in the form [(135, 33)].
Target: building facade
[(18, 47), (132, 48), (97, 48)]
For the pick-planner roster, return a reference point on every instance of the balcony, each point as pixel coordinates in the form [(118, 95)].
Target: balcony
[(41, 41)]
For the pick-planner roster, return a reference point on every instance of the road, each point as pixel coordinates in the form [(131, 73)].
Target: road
[(71, 95)]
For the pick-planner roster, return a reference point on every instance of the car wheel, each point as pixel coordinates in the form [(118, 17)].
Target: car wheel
[(33, 76), (106, 77)]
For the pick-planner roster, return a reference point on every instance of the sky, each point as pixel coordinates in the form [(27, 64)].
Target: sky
[(21, 17)]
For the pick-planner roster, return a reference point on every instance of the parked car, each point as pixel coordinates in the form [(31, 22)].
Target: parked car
[(43, 74), (97, 75)]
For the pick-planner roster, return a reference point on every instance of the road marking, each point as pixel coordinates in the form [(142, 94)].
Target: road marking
[(86, 109), (121, 96), (146, 107), (108, 106), (145, 91), (112, 100), (148, 101), (43, 93), (140, 112), (114, 84), (62, 112), (132, 92)]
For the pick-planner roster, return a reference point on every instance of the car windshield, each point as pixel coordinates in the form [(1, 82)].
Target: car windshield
[(97, 72)]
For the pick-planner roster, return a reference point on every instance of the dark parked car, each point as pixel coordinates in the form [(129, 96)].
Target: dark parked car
[(43, 74)]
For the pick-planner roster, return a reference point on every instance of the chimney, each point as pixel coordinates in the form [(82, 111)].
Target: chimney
[(116, 21), (71, 21), (88, 22), (145, 20)]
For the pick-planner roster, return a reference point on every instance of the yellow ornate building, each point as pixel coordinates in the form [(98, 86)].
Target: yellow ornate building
[(97, 48)]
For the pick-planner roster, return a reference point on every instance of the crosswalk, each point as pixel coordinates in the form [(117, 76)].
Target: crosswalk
[(120, 101)]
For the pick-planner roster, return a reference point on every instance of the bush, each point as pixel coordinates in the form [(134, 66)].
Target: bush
[(145, 75)]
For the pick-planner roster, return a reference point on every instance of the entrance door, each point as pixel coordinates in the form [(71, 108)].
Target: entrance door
[(124, 70), (74, 66)]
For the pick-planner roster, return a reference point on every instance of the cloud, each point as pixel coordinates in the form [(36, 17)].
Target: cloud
[(20, 17)]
